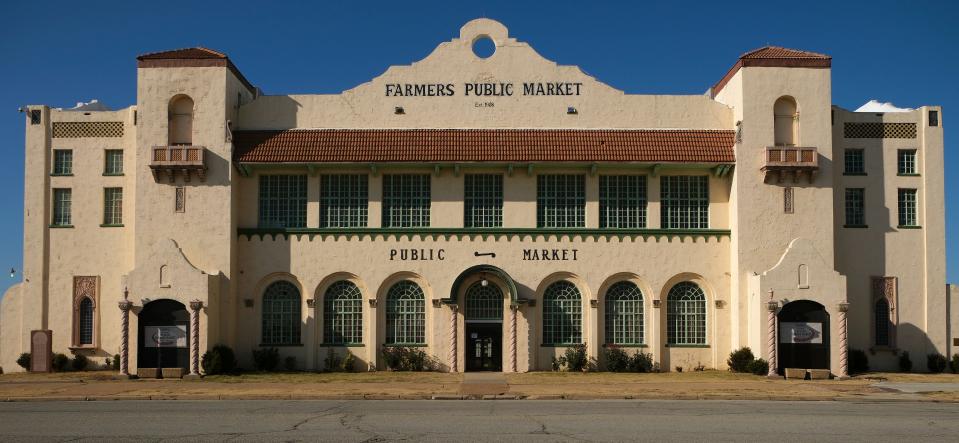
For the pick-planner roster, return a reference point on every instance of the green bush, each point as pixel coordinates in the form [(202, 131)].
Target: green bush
[(332, 361), (218, 360), (858, 361), (399, 358), (641, 362), (740, 359), (348, 364), (79, 362), (116, 362), (936, 362), (576, 358), (758, 367), (905, 364), (617, 360), (954, 364), (24, 361), (60, 362), (266, 360), (289, 363)]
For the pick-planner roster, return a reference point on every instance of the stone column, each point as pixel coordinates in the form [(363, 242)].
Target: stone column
[(843, 342), (195, 307), (125, 306), (453, 342), (513, 312), (771, 307)]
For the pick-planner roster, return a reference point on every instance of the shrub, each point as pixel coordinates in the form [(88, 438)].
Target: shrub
[(641, 362), (116, 362), (289, 363), (266, 360), (954, 364), (758, 367), (858, 361), (60, 362), (905, 364), (576, 358), (399, 358), (332, 361), (218, 360), (1, 370), (79, 362), (555, 364), (617, 360), (740, 359), (24, 361), (936, 362), (349, 362)]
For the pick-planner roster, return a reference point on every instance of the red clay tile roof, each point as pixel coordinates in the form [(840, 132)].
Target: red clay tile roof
[(198, 52), (483, 145), (776, 52), (197, 57), (774, 56)]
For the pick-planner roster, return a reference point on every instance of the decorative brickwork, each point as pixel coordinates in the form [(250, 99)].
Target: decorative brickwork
[(87, 129), (879, 130)]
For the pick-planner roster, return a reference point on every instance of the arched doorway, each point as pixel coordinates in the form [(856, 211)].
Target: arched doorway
[(484, 327), (163, 339), (803, 336)]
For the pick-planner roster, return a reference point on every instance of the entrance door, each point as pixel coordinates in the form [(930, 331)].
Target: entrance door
[(164, 335), (484, 327), (803, 336)]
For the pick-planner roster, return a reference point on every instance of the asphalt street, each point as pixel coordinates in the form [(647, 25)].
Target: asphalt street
[(498, 420)]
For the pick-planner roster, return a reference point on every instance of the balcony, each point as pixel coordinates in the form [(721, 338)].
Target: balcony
[(782, 161), (185, 159)]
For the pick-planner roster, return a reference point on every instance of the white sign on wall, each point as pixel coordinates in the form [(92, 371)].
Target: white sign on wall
[(800, 332), (164, 336)]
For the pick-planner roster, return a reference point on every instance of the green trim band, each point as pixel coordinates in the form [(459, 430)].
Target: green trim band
[(405, 345), (615, 345), (109, 225), (909, 227), (903, 174), (673, 345), (52, 226), (720, 169), (54, 174), (342, 345), (483, 233), (113, 174), (560, 345)]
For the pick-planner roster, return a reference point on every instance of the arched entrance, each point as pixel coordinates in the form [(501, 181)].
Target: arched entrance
[(163, 339), (803, 336), (484, 327)]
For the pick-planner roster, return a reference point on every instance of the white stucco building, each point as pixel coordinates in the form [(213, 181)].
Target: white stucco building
[(492, 210)]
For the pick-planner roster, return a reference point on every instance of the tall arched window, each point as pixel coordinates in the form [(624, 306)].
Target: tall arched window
[(484, 302), (405, 314), (181, 121), (624, 314), (786, 120), (882, 322), (86, 322), (686, 315), (281, 314), (562, 314), (343, 314)]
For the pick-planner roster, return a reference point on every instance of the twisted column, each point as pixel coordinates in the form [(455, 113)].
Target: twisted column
[(512, 337), (453, 342), (125, 306), (195, 307), (843, 342), (771, 307)]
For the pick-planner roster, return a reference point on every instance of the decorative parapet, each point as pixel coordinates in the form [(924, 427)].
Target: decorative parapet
[(783, 160), (186, 159), (486, 234)]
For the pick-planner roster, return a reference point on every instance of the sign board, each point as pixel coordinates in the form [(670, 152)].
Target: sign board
[(164, 336), (41, 350), (800, 332)]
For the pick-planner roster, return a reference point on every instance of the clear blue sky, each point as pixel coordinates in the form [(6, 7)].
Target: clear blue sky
[(59, 53)]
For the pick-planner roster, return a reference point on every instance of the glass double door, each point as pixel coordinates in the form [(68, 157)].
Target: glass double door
[(484, 346)]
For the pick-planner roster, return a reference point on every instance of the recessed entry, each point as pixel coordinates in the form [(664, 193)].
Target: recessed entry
[(483, 46)]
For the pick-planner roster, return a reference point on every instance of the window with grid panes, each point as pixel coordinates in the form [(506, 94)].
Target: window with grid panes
[(622, 201), (344, 200), (684, 201), (343, 314), (855, 207), (113, 164), (907, 207), (281, 314), (406, 200), (907, 162), (686, 315), (282, 201), (560, 201), (62, 161), (624, 314), (405, 314), (853, 162), (562, 314), (62, 203), (483, 201), (113, 206), (484, 302), (882, 322), (86, 322)]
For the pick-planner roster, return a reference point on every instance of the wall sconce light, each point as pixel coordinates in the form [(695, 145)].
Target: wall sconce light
[(571, 110), (372, 302), (13, 272), (656, 303), (399, 110), (720, 304), (311, 303), (593, 303), (437, 302), (483, 281)]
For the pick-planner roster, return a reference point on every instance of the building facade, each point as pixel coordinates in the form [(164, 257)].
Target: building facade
[(491, 209)]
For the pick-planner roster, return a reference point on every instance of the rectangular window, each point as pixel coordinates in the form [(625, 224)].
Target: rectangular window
[(113, 164), (685, 202), (62, 162), (933, 118), (62, 201), (343, 200), (406, 200), (113, 206), (622, 201), (483, 201), (788, 200), (282, 201), (35, 117), (908, 201), (561, 201), (855, 207), (179, 199), (854, 164), (907, 162)]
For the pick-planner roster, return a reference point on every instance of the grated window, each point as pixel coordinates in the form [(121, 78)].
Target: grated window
[(907, 207), (484, 302), (87, 129), (113, 206), (406, 200), (282, 201), (562, 314), (114, 162), (686, 315), (179, 199), (344, 200), (855, 207), (343, 314), (685, 202), (882, 322), (86, 322), (854, 162), (906, 162), (622, 201), (561, 201), (62, 202), (879, 130), (62, 161), (483, 201), (624, 314), (281, 314), (405, 314), (788, 200)]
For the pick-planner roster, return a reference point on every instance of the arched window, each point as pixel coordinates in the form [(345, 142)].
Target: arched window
[(164, 276), (181, 121), (786, 121), (405, 314), (343, 314), (686, 315), (624, 314), (86, 322), (484, 302), (562, 314), (882, 322), (281, 314)]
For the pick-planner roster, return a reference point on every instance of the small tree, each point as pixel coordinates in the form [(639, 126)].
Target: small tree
[(24, 361), (905, 364), (758, 367), (219, 360), (954, 364), (617, 360), (858, 361), (60, 362), (936, 362), (266, 360), (740, 359), (79, 362), (348, 363)]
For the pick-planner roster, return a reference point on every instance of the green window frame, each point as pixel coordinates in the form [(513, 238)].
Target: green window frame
[(561, 201), (854, 162), (282, 201), (62, 207), (343, 314), (625, 323), (882, 322), (113, 162), (483, 200), (484, 302), (344, 200), (405, 314), (406, 200), (62, 162), (685, 201), (281, 314), (686, 315), (562, 314), (113, 206), (855, 207), (906, 162), (622, 201), (85, 326), (908, 203)]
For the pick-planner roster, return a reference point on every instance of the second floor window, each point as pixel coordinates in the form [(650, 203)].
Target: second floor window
[(113, 206), (685, 202), (282, 201), (483, 201), (113, 164), (855, 207), (560, 201), (853, 162), (908, 201), (62, 161), (622, 201), (343, 200), (907, 162), (406, 200), (62, 202)]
